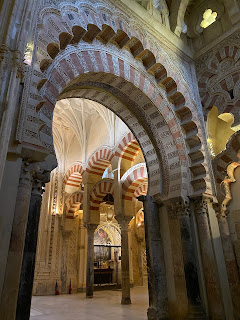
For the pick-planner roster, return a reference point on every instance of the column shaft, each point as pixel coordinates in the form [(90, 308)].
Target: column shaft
[(90, 260), (190, 266), (125, 261), (14, 262), (179, 309), (29, 255), (231, 264), (209, 263), (157, 284)]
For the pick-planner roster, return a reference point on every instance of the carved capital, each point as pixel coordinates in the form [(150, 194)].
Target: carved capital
[(221, 210), (177, 209), (27, 171), (123, 221), (157, 199), (39, 180), (91, 227), (201, 205)]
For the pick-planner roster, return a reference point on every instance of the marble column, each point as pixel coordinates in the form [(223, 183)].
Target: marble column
[(90, 259), (125, 271), (215, 303), (29, 255), (230, 259), (14, 262), (179, 308), (190, 265), (157, 282)]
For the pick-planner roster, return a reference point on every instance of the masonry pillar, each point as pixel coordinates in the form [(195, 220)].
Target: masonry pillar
[(90, 259), (178, 309), (14, 261), (29, 255), (215, 303), (157, 283), (124, 221), (230, 260)]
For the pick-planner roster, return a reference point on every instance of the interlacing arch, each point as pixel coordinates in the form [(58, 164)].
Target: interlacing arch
[(73, 178), (99, 161), (73, 203), (100, 75), (132, 180), (99, 191)]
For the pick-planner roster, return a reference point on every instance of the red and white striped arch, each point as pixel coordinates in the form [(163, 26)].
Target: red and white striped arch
[(141, 190), (73, 203), (99, 161), (69, 60), (132, 181), (99, 191), (73, 178), (128, 148)]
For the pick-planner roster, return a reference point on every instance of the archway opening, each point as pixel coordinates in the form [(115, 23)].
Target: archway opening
[(82, 192)]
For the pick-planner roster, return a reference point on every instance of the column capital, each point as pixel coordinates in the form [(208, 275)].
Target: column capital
[(201, 204), (39, 180), (123, 221), (27, 171), (91, 227), (157, 199), (221, 210), (177, 209)]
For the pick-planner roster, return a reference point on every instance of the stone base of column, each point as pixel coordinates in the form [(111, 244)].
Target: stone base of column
[(126, 301), (155, 314), (89, 296)]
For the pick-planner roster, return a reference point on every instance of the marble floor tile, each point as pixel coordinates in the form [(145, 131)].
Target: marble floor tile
[(105, 305)]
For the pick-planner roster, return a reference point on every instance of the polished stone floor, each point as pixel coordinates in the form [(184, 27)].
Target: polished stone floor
[(105, 305)]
